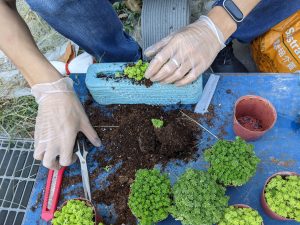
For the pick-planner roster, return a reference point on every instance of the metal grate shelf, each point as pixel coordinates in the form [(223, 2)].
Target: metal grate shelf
[(18, 171)]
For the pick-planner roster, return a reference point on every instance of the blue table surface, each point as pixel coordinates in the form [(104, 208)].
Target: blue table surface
[(279, 149)]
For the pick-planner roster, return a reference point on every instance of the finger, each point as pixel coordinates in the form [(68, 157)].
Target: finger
[(50, 158), (178, 75), (90, 132), (39, 150), (159, 60), (190, 77), (66, 150), (154, 49), (166, 71)]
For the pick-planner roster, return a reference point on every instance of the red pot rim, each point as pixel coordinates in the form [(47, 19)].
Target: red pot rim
[(87, 202), (264, 201), (246, 97)]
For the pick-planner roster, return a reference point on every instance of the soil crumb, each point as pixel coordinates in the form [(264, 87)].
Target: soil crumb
[(129, 137), (229, 91), (250, 123)]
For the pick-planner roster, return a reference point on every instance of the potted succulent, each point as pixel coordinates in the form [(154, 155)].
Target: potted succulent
[(198, 199), (280, 197), (253, 117), (76, 211), (124, 83), (241, 214), (150, 196), (232, 163)]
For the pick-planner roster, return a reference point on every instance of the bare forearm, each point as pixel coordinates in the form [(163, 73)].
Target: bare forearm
[(224, 21), (17, 43)]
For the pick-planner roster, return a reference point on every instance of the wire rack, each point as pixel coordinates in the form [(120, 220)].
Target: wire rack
[(18, 171)]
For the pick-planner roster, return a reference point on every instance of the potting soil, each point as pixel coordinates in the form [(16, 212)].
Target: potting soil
[(129, 137), (250, 123)]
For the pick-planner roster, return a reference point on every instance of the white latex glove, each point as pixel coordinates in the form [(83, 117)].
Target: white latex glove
[(183, 56), (60, 117)]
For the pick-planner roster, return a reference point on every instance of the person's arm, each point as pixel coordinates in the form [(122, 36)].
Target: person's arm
[(183, 56), (60, 114), (17, 43), (224, 21)]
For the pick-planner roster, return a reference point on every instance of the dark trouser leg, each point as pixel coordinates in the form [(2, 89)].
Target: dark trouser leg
[(92, 24)]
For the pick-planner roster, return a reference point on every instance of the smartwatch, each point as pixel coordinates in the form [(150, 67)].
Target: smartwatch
[(234, 11)]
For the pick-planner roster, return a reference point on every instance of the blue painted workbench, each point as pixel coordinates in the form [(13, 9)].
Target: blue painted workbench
[(279, 149)]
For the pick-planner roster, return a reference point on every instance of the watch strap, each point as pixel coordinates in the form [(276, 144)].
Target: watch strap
[(233, 10)]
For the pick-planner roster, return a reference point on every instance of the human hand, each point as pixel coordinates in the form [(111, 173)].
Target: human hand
[(60, 117), (181, 57)]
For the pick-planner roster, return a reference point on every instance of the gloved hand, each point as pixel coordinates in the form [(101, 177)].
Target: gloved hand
[(60, 117), (181, 57)]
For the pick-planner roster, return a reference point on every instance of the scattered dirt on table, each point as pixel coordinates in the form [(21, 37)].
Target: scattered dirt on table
[(37, 203), (229, 91), (209, 116), (137, 144), (250, 123), (67, 182), (284, 163)]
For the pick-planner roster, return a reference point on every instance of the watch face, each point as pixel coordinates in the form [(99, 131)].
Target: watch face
[(233, 10)]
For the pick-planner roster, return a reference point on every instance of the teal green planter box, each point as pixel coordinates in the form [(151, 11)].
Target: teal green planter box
[(123, 91)]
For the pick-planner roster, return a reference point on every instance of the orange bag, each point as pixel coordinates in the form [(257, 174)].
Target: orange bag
[(278, 50)]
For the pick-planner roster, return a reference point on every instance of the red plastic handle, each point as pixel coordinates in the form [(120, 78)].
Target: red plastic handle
[(47, 214)]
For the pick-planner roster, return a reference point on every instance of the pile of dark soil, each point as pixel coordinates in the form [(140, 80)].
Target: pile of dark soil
[(129, 137), (250, 123), (145, 82)]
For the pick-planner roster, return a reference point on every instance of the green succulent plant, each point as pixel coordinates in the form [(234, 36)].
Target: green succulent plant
[(232, 162), (240, 216), (136, 71), (283, 196), (198, 199), (75, 212), (150, 196), (157, 123)]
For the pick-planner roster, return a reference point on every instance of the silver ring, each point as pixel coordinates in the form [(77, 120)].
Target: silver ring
[(176, 63)]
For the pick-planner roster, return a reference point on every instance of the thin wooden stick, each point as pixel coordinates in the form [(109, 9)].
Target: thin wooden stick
[(191, 119)]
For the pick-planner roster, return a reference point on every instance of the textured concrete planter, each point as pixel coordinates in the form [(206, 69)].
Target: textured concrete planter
[(123, 91)]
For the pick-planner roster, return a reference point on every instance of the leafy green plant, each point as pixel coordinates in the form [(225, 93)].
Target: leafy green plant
[(150, 196), (136, 71), (74, 212), (232, 162), (283, 196), (157, 123), (247, 216), (198, 199)]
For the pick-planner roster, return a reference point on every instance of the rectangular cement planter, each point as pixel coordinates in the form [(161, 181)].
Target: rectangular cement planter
[(110, 91)]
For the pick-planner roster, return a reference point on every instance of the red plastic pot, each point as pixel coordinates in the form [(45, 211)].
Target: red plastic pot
[(244, 206), (97, 217), (257, 108), (264, 203)]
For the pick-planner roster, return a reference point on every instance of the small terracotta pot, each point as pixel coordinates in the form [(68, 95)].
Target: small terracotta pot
[(257, 108), (97, 217), (244, 206), (263, 200)]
